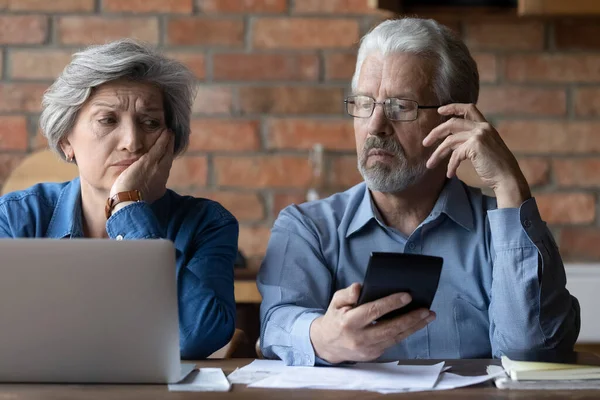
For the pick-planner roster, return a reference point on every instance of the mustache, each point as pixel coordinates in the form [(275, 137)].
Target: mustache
[(389, 144)]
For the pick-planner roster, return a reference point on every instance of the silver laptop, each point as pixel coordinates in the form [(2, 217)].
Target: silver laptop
[(89, 311)]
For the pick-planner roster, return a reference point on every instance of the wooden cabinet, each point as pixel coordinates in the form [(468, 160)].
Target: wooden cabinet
[(548, 8), (558, 7)]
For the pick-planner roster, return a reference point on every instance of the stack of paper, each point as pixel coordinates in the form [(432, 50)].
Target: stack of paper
[(530, 370), (379, 377), (544, 375)]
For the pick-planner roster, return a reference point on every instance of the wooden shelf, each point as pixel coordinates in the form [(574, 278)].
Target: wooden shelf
[(558, 7)]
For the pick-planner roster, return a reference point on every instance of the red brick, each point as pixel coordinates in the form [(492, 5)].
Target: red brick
[(262, 171), (553, 68), (244, 206), (304, 133), (13, 133), (148, 6), (291, 100), (194, 61), (224, 135), (282, 200), (583, 172), (254, 239), (51, 6), (205, 32), (266, 67), (242, 6), (512, 100), (23, 29), (21, 97), (487, 66), (8, 162), (213, 100), (340, 66), (344, 172), (587, 102), (577, 34), (545, 137), (567, 208), (580, 244), (38, 64), (304, 33), (188, 171), (1, 63), (535, 169), (334, 7), (492, 35), (99, 30)]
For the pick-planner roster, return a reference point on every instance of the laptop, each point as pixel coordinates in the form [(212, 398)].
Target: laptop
[(89, 311)]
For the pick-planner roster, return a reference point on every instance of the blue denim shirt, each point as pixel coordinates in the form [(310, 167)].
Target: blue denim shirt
[(502, 285), (204, 234)]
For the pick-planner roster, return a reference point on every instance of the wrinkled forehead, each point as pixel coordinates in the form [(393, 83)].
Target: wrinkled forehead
[(396, 75), (125, 93)]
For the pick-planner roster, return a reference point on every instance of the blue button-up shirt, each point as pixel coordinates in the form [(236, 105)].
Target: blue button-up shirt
[(204, 234), (502, 285)]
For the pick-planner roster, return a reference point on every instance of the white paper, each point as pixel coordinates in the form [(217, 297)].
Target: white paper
[(452, 381), (258, 370), (365, 376), (203, 380)]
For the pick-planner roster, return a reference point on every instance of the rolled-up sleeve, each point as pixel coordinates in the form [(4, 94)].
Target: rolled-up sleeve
[(295, 284), (530, 307)]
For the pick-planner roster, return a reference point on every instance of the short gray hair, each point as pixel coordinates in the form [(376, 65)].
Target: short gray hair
[(122, 59), (456, 80)]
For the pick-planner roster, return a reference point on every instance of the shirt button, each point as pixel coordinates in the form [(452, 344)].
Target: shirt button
[(411, 246), (527, 223), (119, 237)]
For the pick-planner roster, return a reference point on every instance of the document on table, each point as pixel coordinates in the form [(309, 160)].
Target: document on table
[(452, 381), (256, 371), (203, 380), (364, 376)]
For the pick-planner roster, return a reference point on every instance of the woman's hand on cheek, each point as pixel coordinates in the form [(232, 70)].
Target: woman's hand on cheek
[(150, 173)]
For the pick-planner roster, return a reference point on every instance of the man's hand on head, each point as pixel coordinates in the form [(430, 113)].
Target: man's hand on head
[(468, 135)]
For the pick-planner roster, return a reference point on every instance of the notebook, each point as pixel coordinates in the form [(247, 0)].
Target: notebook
[(535, 370)]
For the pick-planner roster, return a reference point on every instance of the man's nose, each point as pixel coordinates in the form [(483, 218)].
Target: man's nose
[(379, 125)]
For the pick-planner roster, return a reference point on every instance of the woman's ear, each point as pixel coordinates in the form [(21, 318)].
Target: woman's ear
[(66, 148)]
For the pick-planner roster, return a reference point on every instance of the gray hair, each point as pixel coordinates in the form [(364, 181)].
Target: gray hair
[(122, 59), (456, 80)]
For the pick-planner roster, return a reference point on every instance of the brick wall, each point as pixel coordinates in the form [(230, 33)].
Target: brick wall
[(274, 73)]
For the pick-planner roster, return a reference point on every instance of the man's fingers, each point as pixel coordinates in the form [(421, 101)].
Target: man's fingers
[(467, 111), (443, 130), (446, 147), (346, 297), (365, 314), (391, 332)]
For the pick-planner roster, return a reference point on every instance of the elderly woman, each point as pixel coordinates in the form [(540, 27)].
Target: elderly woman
[(121, 112)]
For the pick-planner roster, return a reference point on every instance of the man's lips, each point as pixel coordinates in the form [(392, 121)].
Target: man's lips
[(379, 152)]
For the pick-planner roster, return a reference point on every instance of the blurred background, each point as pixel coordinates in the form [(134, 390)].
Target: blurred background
[(269, 127)]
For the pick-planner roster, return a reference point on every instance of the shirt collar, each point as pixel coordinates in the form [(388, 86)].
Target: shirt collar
[(453, 201), (66, 218)]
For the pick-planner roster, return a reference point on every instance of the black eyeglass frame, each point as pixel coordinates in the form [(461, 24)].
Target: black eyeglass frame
[(347, 101)]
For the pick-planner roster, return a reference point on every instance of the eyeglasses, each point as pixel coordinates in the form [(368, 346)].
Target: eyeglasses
[(393, 108)]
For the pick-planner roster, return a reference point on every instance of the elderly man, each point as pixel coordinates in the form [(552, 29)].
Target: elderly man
[(502, 286)]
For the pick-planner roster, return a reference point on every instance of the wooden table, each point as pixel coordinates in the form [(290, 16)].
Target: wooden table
[(135, 392)]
